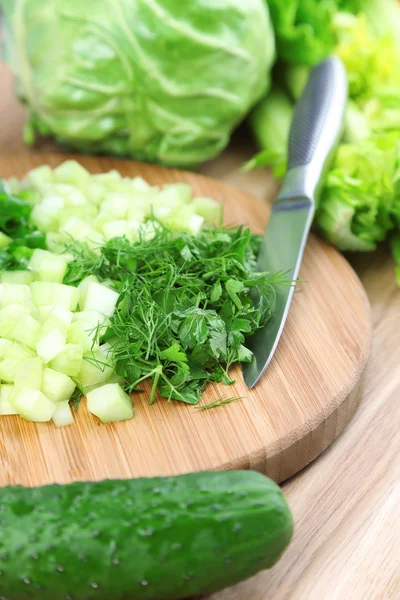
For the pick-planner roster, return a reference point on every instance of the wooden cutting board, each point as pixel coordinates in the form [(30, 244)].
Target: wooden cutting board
[(305, 400)]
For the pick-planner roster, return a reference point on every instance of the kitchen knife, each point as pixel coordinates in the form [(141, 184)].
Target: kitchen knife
[(315, 132)]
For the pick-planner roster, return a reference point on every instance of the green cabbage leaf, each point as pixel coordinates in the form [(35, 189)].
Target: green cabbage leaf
[(163, 81)]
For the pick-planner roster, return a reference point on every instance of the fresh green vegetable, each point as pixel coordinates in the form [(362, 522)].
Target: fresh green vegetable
[(18, 236), (145, 539), (184, 308), (158, 81), (304, 29), (360, 202)]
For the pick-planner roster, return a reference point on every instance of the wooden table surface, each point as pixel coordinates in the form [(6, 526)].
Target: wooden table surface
[(346, 504)]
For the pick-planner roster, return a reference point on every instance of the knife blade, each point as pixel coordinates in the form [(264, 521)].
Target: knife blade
[(315, 132)]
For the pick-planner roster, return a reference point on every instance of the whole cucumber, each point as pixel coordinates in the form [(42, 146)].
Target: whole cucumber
[(142, 539)]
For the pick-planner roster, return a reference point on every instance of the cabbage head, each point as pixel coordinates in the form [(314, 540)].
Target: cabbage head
[(158, 80)]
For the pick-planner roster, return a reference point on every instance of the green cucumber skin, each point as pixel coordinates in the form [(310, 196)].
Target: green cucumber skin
[(142, 539)]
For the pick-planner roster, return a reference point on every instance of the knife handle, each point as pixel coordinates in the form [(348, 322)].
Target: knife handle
[(316, 129)]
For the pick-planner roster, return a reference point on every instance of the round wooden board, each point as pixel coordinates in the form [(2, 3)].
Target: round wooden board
[(304, 401)]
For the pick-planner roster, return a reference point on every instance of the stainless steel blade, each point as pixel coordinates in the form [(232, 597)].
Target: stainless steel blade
[(315, 132), (285, 240)]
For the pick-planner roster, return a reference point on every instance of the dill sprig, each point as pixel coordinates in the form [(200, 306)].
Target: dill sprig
[(186, 305)]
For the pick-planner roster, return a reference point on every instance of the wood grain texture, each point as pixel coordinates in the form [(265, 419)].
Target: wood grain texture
[(301, 405), (346, 507)]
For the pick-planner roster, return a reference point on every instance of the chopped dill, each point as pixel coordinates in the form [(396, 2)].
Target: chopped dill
[(186, 305)]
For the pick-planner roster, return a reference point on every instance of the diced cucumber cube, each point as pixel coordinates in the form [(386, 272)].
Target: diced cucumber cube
[(72, 172), (6, 408), (101, 298), (82, 232), (105, 178), (138, 211), (15, 294), (69, 360), (209, 209), (84, 336), (40, 177), (46, 215), (71, 194), (63, 415), (26, 331), (95, 192), (85, 213), (5, 241), (5, 347), (175, 194), (113, 379), (17, 277), (32, 405), (116, 204), (138, 183), (45, 293), (110, 403), (51, 344), (115, 229), (57, 386), (48, 266), (83, 288), (30, 374), (9, 368), (58, 315), (10, 315), (56, 242), (97, 366)]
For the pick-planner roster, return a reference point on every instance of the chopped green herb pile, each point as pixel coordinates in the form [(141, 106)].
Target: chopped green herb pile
[(186, 304), (19, 237)]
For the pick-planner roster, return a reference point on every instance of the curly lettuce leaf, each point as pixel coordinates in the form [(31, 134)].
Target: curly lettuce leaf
[(304, 29), (360, 202)]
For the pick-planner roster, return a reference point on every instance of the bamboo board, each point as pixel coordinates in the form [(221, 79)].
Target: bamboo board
[(304, 401)]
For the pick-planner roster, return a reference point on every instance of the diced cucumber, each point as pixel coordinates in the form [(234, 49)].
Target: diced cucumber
[(113, 379), (51, 344), (17, 277), (110, 403), (32, 405), (9, 368), (45, 293), (138, 183), (71, 194), (83, 335), (137, 211), (56, 242), (30, 374), (110, 177), (95, 192), (48, 266), (26, 331), (57, 386), (69, 360), (46, 215), (63, 415), (116, 229), (5, 241), (175, 195), (83, 288), (82, 232), (73, 173), (209, 209), (40, 177), (100, 298), (5, 346), (86, 213), (116, 205), (56, 314), (9, 317), (15, 294), (6, 408), (97, 367)]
